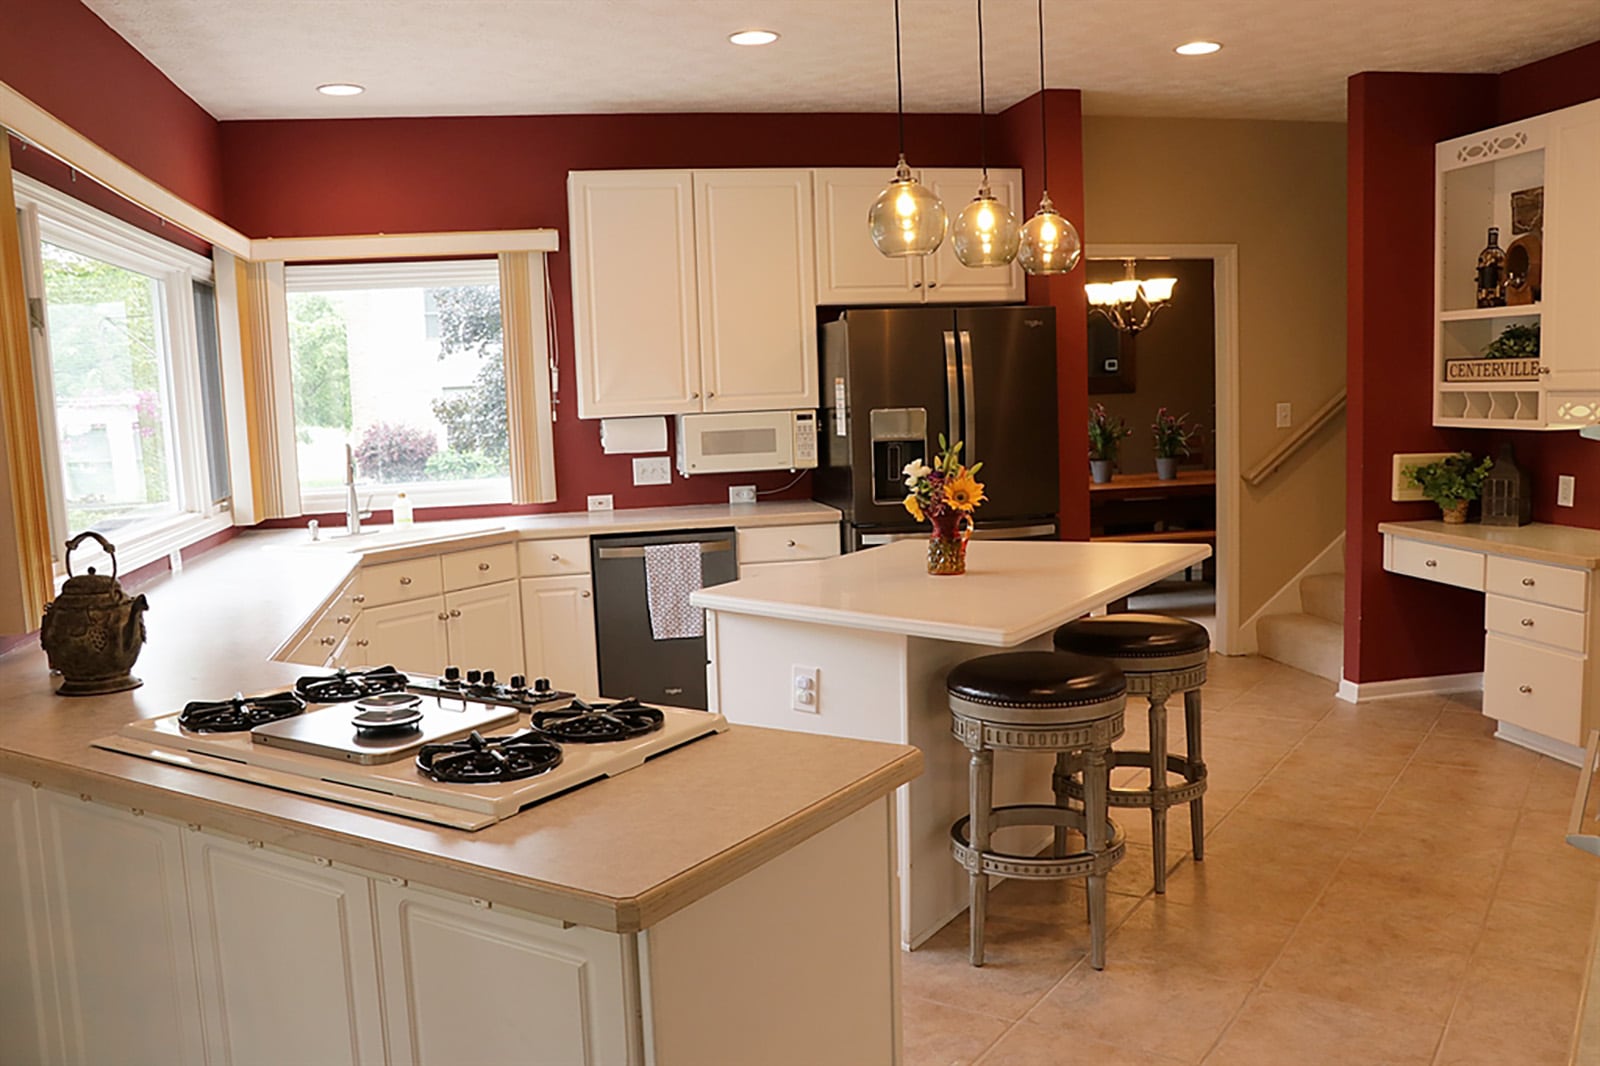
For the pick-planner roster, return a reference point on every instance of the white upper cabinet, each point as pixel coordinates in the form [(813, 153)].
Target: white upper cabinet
[(851, 271), (1571, 334), (758, 331), (635, 310)]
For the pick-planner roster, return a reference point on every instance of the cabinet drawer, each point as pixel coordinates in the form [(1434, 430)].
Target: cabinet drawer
[(1559, 586), (540, 558), (397, 582), (1540, 689), (480, 566), (779, 544), (1431, 562), (1535, 621)]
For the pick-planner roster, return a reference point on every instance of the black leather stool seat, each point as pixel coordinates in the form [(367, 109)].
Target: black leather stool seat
[(1137, 642), (1036, 687)]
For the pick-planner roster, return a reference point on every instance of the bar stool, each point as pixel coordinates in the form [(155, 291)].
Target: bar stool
[(1160, 657), (1038, 701)]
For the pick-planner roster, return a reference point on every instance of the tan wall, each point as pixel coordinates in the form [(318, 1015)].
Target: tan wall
[(1277, 190)]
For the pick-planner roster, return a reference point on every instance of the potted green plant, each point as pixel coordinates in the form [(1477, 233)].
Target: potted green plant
[(1515, 342), (1172, 437), (1106, 434), (1453, 482)]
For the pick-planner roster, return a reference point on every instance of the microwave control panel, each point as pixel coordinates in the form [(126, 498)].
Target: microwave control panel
[(805, 439)]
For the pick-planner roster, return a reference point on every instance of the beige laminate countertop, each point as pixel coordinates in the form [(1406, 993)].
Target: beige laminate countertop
[(1537, 541), (619, 854)]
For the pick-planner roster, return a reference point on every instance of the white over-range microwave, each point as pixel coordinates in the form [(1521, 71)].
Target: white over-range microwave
[(735, 441)]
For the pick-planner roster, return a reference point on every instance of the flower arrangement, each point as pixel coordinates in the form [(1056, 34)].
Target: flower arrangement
[(1106, 434), (944, 495), (1171, 435), (1452, 483)]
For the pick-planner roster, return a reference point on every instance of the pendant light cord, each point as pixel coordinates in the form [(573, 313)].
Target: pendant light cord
[(1044, 126), (899, 81), (983, 104)]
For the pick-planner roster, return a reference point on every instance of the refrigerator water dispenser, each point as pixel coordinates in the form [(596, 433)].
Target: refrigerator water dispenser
[(899, 437)]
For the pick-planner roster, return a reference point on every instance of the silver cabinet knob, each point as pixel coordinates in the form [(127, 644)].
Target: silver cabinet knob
[(933, 284), (1430, 562), (343, 619), (407, 580), (482, 567), (1524, 688), (362, 643), (455, 612), (443, 617), (585, 593), (790, 543), (916, 284), (554, 558), (694, 396), (329, 641), (1527, 582), (1528, 622), (358, 598)]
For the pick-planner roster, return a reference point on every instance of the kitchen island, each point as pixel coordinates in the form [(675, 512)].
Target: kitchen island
[(706, 907), (858, 646)]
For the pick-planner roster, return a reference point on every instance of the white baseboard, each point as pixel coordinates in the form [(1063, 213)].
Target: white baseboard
[(1286, 600), (1526, 738), (1439, 685)]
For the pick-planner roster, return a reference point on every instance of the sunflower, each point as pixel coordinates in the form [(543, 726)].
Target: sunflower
[(915, 508), (964, 492)]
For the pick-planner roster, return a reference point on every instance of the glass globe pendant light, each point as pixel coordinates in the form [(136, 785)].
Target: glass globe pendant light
[(1050, 244), (907, 218), (985, 234)]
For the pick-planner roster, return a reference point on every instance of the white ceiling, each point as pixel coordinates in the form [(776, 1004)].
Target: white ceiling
[(1285, 59)]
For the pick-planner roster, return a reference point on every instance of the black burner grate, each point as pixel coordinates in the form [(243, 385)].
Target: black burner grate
[(476, 760), (346, 685), (239, 714), (599, 723)]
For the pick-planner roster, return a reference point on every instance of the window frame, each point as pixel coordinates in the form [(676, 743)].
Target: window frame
[(48, 215)]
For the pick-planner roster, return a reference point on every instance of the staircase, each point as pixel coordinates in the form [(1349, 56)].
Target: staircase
[(1312, 640)]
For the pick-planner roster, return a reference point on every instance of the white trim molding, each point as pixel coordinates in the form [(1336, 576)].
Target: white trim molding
[(1560, 750), (1286, 600), (405, 245), (1438, 685)]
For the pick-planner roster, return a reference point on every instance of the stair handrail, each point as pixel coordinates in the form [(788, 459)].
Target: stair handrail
[(1262, 471)]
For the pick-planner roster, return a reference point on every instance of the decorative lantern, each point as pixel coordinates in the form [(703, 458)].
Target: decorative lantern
[(1506, 497)]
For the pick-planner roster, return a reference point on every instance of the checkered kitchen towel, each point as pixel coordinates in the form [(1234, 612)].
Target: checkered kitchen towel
[(671, 574)]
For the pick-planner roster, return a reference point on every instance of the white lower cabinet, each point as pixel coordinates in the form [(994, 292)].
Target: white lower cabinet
[(485, 628), (479, 627), (408, 635), (1537, 688), (124, 961), (468, 984), (27, 998), (558, 620), (287, 957)]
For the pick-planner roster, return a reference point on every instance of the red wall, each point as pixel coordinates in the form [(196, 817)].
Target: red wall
[(304, 178), (60, 55), (1396, 626)]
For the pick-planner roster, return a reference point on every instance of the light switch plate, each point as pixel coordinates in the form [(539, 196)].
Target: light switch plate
[(1285, 415), (652, 470), (741, 494), (600, 503), (1401, 490), (1566, 488)]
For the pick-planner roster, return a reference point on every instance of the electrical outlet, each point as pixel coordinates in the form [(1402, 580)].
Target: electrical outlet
[(1566, 488), (1400, 489), (741, 494), (600, 503), (1285, 415), (803, 692), (652, 470)]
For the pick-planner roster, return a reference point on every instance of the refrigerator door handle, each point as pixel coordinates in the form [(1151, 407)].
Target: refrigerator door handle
[(952, 378), (969, 454)]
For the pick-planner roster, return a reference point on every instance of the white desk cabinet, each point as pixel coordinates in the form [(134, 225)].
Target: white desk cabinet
[(1541, 663)]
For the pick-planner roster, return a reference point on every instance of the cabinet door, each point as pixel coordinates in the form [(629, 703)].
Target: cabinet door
[(124, 959), (287, 955), (947, 280), (758, 305), (634, 308), (467, 983), (1570, 330), (850, 269), (27, 994), (1539, 689), (486, 628), (410, 636), (558, 623)]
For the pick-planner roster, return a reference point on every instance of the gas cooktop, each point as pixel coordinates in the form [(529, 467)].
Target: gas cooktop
[(421, 747)]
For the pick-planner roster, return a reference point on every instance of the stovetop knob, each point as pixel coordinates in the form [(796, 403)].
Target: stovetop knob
[(452, 674), (541, 684), (488, 678), (518, 682), (474, 676)]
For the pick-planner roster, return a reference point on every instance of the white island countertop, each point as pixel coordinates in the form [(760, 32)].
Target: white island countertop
[(1012, 592)]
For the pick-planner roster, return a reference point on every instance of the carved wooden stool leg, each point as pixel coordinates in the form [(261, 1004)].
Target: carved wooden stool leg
[(1158, 785), (980, 800), (1063, 770), (1197, 763), (1096, 782)]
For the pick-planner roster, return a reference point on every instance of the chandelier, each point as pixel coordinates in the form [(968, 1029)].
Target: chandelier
[(1130, 304)]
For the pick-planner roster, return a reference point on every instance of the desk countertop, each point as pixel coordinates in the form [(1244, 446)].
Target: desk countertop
[(1537, 541)]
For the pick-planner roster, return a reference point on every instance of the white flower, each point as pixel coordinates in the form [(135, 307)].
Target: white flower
[(916, 470)]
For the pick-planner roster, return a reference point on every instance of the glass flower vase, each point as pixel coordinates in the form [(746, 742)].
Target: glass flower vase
[(947, 545)]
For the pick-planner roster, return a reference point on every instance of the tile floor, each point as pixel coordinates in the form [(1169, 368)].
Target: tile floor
[(1383, 883)]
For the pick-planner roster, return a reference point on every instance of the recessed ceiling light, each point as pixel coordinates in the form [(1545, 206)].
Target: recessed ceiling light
[(340, 88), (752, 37), (1198, 48)]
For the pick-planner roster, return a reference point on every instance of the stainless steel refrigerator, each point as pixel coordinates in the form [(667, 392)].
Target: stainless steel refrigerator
[(894, 379)]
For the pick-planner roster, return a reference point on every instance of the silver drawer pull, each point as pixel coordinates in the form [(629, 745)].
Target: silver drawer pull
[(358, 598), (483, 566), (362, 643), (554, 558), (1430, 562), (329, 641), (791, 544), (1528, 622), (343, 619), (1527, 582), (455, 612), (1524, 688), (407, 580)]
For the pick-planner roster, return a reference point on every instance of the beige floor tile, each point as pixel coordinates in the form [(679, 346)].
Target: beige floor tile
[(1317, 802), (1360, 964), (1393, 908), (1464, 701), (1245, 886), (1022, 961), (1474, 753), (1284, 1029), (937, 1034), (1053, 903), (1336, 759), (1447, 814), (1147, 1009), (1401, 715), (1455, 721), (1552, 936), (1240, 764), (1193, 940), (1553, 787), (1026, 1044), (1249, 837), (1553, 873), (1431, 853), (1464, 788), (1223, 725), (1261, 702), (1510, 1013)]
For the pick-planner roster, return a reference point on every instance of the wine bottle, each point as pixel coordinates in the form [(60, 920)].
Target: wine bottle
[(1492, 272)]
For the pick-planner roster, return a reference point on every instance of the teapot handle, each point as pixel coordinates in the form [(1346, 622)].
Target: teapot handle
[(110, 549)]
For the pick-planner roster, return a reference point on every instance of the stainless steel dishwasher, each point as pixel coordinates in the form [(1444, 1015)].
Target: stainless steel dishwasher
[(632, 661)]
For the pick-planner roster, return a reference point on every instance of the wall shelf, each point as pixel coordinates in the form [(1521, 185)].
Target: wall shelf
[(1477, 314)]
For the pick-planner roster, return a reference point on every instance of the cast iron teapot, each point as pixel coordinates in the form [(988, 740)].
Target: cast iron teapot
[(93, 631)]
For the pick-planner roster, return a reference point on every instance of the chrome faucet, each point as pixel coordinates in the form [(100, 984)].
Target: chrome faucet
[(353, 514)]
